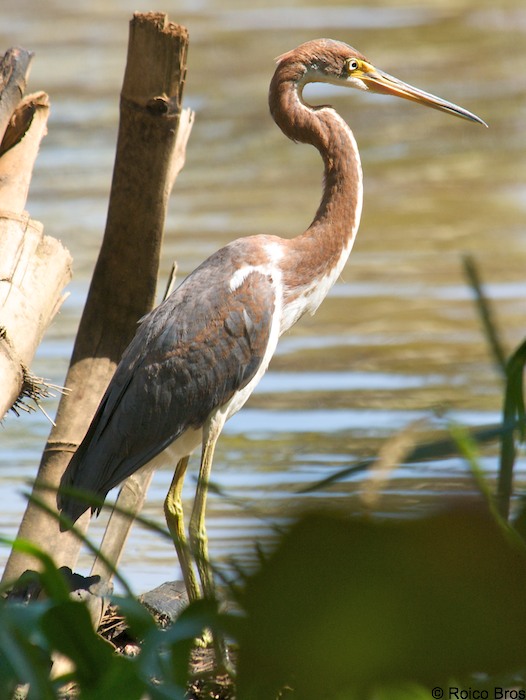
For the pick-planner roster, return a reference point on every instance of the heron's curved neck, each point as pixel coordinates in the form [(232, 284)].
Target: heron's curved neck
[(322, 250)]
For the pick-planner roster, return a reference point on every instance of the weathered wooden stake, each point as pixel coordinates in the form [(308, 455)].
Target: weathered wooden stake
[(34, 269)]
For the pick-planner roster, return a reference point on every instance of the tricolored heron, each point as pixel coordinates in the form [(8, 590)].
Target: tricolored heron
[(198, 356)]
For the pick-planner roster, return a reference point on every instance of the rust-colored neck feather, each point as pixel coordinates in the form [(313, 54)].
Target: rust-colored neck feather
[(323, 248)]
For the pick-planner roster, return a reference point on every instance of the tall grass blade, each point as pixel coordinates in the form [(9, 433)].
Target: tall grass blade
[(513, 412), (440, 448), (485, 313)]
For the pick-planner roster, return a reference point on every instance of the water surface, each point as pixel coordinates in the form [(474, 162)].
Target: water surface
[(398, 338)]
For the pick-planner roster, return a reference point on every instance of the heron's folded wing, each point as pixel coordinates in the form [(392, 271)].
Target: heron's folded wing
[(189, 356)]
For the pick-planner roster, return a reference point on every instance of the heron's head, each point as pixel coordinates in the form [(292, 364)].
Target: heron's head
[(329, 61)]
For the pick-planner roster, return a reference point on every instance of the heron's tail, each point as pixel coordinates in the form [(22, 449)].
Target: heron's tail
[(68, 504)]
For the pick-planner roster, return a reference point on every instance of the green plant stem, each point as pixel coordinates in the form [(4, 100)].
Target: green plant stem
[(513, 413)]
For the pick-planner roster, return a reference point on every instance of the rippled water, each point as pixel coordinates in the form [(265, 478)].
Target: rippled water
[(398, 338)]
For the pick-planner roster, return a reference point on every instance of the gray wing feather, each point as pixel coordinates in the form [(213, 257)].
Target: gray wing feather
[(189, 356)]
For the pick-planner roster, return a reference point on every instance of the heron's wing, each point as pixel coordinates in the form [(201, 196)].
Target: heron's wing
[(188, 357)]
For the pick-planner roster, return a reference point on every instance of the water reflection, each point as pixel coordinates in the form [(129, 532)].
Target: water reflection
[(398, 338)]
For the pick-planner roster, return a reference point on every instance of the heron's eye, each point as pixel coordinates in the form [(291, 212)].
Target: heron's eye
[(352, 64)]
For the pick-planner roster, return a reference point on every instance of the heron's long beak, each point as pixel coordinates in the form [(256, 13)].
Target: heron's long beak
[(378, 81)]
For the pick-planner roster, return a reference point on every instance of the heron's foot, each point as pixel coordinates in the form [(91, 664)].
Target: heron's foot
[(205, 640)]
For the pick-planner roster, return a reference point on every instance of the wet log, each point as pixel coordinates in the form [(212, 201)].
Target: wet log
[(150, 153)]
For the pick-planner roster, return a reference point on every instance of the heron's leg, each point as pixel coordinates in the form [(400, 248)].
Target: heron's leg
[(173, 511), (198, 535)]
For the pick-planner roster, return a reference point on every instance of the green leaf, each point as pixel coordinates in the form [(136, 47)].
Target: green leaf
[(119, 680), (166, 653), (24, 653), (361, 602), (69, 628)]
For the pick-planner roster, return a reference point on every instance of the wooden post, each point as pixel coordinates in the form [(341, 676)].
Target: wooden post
[(34, 268), (14, 71), (149, 156)]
